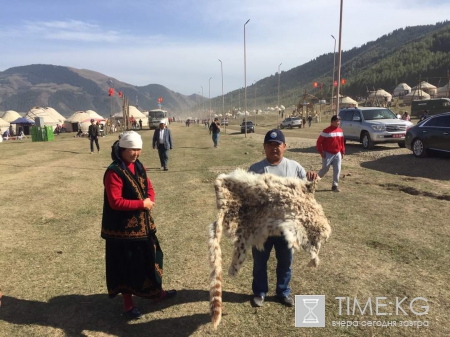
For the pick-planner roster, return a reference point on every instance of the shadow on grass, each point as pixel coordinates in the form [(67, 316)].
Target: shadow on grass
[(408, 165), (76, 313), (350, 149)]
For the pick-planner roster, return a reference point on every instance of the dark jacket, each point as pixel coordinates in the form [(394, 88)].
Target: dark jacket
[(167, 138), (93, 131)]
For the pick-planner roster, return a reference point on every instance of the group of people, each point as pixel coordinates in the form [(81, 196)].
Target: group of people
[(134, 258)]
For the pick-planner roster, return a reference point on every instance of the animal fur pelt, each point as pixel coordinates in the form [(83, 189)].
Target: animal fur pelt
[(255, 206)]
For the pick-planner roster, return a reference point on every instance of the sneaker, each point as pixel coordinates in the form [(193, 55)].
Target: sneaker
[(162, 168), (165, 294), (133, 313), (258, 301), (287, 300), (92, 152), (335, 189), (166, 169)]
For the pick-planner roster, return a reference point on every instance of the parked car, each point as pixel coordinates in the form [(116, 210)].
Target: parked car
[(432, 134), (291, 122), (250, 127), (373, 125)]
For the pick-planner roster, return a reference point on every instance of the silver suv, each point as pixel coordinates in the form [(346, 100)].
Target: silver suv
[(373, 125), (291, 122)]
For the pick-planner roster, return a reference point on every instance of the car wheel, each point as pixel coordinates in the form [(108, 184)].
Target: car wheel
[(402, 144), (366, 141), (418, 148), (281, 126)]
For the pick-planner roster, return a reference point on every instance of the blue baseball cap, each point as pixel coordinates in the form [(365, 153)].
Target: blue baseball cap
[(274, 136)]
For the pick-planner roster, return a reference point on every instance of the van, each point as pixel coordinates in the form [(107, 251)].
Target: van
[(433, 106)]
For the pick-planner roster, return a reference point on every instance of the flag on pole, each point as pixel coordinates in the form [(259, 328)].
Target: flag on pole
[(120, 94), (111, 92)]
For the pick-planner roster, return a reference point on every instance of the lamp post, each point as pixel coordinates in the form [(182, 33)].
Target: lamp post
[(339, 59), (279, 75), (334, 71), (245, 84), (210, 99), (223, 99)]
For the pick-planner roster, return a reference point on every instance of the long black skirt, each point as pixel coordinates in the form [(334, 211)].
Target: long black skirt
[(134, 267)]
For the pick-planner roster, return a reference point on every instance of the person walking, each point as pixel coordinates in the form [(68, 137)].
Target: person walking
[(93, 134), (140, 124), (330, 145), (275, 163), (309, 120), (162, 140), (214, 129), (134, 259), (304, 121)]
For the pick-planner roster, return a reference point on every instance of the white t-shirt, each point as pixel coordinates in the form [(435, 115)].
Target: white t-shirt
[(286, 168)]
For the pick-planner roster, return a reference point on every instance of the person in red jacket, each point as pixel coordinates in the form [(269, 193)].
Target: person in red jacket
[(330, 145)]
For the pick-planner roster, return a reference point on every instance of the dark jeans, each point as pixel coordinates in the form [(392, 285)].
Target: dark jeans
[(284, 257), (163, 155), (92, 140), (215, 138)]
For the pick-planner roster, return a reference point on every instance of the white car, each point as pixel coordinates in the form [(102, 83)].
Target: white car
[(291, 122)]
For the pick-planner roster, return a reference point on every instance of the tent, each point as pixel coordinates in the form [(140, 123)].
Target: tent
[(94, 115), (443, 91), (23, 123), (427, 87), (10, 115), (380, 94), (346, 101), (401, 90), (415, 95), (75, 121), (40, 112), (55, 114), (137, 115)]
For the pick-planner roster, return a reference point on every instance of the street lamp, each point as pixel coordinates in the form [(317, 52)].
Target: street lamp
[(223, 99), (245, 83), (339, 59), (210, 99), (334, 71), (279, 75)]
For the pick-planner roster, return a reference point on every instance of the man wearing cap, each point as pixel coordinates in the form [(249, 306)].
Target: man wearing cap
[(134, 259), (162, 140), (275, 163), (214, 129), (93, 134), (330, 145)]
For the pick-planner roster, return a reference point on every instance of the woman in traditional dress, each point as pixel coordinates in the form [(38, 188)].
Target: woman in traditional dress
[(134, 260)]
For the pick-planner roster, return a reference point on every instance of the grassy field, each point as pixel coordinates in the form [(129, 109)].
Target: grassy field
[(390, 239)]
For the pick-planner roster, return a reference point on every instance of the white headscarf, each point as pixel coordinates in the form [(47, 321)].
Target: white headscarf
[(130, 140)]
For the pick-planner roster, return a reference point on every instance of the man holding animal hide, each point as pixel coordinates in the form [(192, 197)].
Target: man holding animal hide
[(276, 164)]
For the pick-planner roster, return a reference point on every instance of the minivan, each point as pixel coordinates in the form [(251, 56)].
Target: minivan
[(433, 106)]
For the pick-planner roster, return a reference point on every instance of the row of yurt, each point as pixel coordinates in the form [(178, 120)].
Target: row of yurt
[(401, 90), (415, 95), (443, 91), (78, 120), (10, 116), (49, 120), (426, 87)]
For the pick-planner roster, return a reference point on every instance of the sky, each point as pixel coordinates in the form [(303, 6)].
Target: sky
[(178, 43)]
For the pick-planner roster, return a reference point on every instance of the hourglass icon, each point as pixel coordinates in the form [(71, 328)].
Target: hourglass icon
[(310, 304)]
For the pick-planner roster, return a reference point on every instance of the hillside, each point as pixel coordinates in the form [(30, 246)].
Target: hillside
[(68, 90)]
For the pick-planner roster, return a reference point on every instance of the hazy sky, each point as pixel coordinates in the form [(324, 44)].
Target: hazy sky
[(177, 43)]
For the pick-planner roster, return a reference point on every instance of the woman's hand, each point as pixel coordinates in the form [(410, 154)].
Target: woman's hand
[(148, 204)]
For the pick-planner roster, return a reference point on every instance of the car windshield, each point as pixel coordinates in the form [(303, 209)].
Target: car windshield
[(370, 115), (296, 118)]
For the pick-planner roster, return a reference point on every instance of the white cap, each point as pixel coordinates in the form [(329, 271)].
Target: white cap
[(130, 140)]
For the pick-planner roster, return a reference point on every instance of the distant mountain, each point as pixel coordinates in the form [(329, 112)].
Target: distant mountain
[(68, 90)]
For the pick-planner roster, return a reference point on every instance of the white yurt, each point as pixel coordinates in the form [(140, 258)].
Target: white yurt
[(443, 92), (94, 115), (402, 89), (10, 116), (346, 101), (49, 120), (380, 94), (3, 125), (137, 115), (55, 114), (415, 95), (77, 119), (427, 87)]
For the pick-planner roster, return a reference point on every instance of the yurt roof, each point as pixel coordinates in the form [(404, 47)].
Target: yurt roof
[(93, 114), (40, 112), (3, 123), (55, 114), (418, 93), (348, 100), (443, 89), (424, 85), (78, 117), (402, 86), (10, 115), (135, 112), (381, 93)]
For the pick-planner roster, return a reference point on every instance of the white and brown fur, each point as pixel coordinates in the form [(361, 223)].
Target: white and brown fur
[(255, 206)]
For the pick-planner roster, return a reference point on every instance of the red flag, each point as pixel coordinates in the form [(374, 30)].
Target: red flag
[(111, 92), (335, 83), (315, 85), (120, 94), (343, 81)]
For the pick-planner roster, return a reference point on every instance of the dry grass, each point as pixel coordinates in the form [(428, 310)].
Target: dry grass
[(390, 238)]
